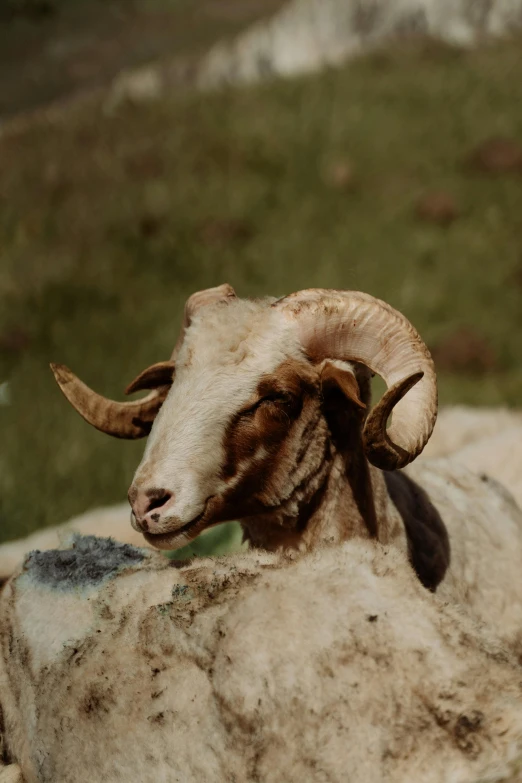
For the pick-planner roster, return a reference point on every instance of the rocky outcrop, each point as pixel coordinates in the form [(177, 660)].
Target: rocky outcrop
[(309, 34)]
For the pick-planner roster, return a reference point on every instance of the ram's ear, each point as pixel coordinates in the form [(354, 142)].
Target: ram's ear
[(339, 385), (160, 374), (344, 387)]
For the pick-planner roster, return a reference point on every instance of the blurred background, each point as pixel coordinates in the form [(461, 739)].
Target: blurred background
[(151, 148)]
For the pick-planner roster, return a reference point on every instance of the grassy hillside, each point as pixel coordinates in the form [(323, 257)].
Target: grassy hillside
[(52, 49), (108, 223)]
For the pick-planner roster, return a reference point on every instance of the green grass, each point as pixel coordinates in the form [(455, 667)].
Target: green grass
[(109, 222), (220, 540)]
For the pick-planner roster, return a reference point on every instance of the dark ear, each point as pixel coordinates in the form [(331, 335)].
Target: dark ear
[(343, 407), (160, 374), (345, 412), (340, 387)]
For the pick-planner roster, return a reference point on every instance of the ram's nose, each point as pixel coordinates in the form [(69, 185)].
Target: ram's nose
[(148, 507)]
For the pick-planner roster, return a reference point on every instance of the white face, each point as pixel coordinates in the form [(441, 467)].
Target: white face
[(210, 434)]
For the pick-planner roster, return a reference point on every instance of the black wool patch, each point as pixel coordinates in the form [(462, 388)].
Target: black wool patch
[(90, 561)]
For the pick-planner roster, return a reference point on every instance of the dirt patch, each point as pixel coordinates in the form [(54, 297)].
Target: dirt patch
[(437, 206), (465, 351), (340, 175), (98, 699), (497, 155)]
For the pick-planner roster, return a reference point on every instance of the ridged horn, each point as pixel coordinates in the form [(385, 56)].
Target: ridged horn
[(198, 300), (353, 326), (128, 420)]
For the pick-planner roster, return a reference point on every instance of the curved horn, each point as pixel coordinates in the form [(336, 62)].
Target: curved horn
[(159, 374), (196, 301), (353, 326), (121, 419)]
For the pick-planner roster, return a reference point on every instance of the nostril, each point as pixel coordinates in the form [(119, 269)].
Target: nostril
[(159, 499)]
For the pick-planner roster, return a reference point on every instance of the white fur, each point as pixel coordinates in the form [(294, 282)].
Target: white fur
[(460, 425), (499, 456), (11, 774), (230, 346), (485, 440)]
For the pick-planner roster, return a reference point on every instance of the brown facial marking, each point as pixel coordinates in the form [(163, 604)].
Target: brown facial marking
[(265, 422)]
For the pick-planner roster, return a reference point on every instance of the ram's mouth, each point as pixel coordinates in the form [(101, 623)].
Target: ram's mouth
[(182, 536)]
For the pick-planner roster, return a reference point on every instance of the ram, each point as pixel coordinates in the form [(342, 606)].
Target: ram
[(485, 440), (326, 666), (263, 414)]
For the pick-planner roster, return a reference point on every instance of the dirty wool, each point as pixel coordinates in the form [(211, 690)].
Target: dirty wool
[(338, 665)]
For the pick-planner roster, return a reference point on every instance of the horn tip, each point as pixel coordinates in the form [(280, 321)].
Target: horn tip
[(61, 372), (228, 291)]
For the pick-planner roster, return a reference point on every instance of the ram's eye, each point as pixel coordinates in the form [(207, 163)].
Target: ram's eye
[(274, 399)]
